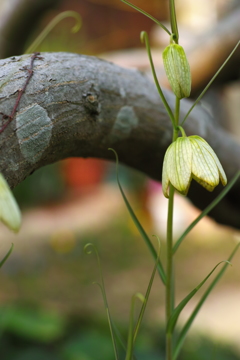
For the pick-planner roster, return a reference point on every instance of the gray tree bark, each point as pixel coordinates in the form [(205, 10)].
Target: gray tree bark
[(77, 105)]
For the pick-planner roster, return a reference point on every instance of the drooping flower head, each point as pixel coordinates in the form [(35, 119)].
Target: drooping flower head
[(190, 158)]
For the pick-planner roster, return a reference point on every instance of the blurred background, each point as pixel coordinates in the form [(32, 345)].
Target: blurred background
[(49, 308)]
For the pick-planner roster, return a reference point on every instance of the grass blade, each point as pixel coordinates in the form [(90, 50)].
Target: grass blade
[(102, 288), (146, 296), (176, 312), (189, 322), (120, 339), (207, 210), (139, 226), (130, 343), (209, 84)]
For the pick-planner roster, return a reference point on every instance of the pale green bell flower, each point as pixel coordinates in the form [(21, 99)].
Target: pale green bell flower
[(10, 214), (190, 158), (177, 70)]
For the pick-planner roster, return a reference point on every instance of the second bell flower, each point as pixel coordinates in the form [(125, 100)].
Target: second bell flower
[(190, 158)]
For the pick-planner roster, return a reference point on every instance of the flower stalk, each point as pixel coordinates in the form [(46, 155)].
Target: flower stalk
[(187, 158), (169, 256)]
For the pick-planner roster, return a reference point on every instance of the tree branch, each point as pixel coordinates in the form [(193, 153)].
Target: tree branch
[(212, 48), (75, 105)]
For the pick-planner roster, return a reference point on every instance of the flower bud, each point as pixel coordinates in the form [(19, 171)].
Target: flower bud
[(10, 214), (177, 70)]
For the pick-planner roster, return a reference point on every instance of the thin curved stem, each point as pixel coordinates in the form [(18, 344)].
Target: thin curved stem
[(51, 25), (147, 14), (209, 84), (144, 38)]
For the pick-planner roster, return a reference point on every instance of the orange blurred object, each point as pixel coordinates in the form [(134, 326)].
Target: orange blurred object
[(79, 173)]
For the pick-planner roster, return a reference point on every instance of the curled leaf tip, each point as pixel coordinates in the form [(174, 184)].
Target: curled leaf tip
[(78, 19), (88, 248), (142, 36), (139, 296), (115, 153), (52, 24)]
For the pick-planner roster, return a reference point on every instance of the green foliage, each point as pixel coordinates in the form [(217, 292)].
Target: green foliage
[(89, 340), (89, 344), (33, 324), (139, 226), (88, 249)]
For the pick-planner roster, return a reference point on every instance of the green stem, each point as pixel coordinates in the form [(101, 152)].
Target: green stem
[(177, 112), (173, 20), (182, 131), (51, 26), (144, 38), (148, 15), (169, 270)]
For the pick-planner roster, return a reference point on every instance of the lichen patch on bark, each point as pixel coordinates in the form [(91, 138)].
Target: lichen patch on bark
[(34, 131)]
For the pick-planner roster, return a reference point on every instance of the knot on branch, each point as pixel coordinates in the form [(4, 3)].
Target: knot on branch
[(91, 100)]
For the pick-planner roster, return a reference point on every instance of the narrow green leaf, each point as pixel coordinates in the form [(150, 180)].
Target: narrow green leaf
[(115, 334), (51, 25), (88, 251), (176, 312), (144, 39), (130, 343), (146, 295), (146, 14), (120, 339), (189, 322), (206, 211), (209, 84), (139, 226), (7, 255)]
